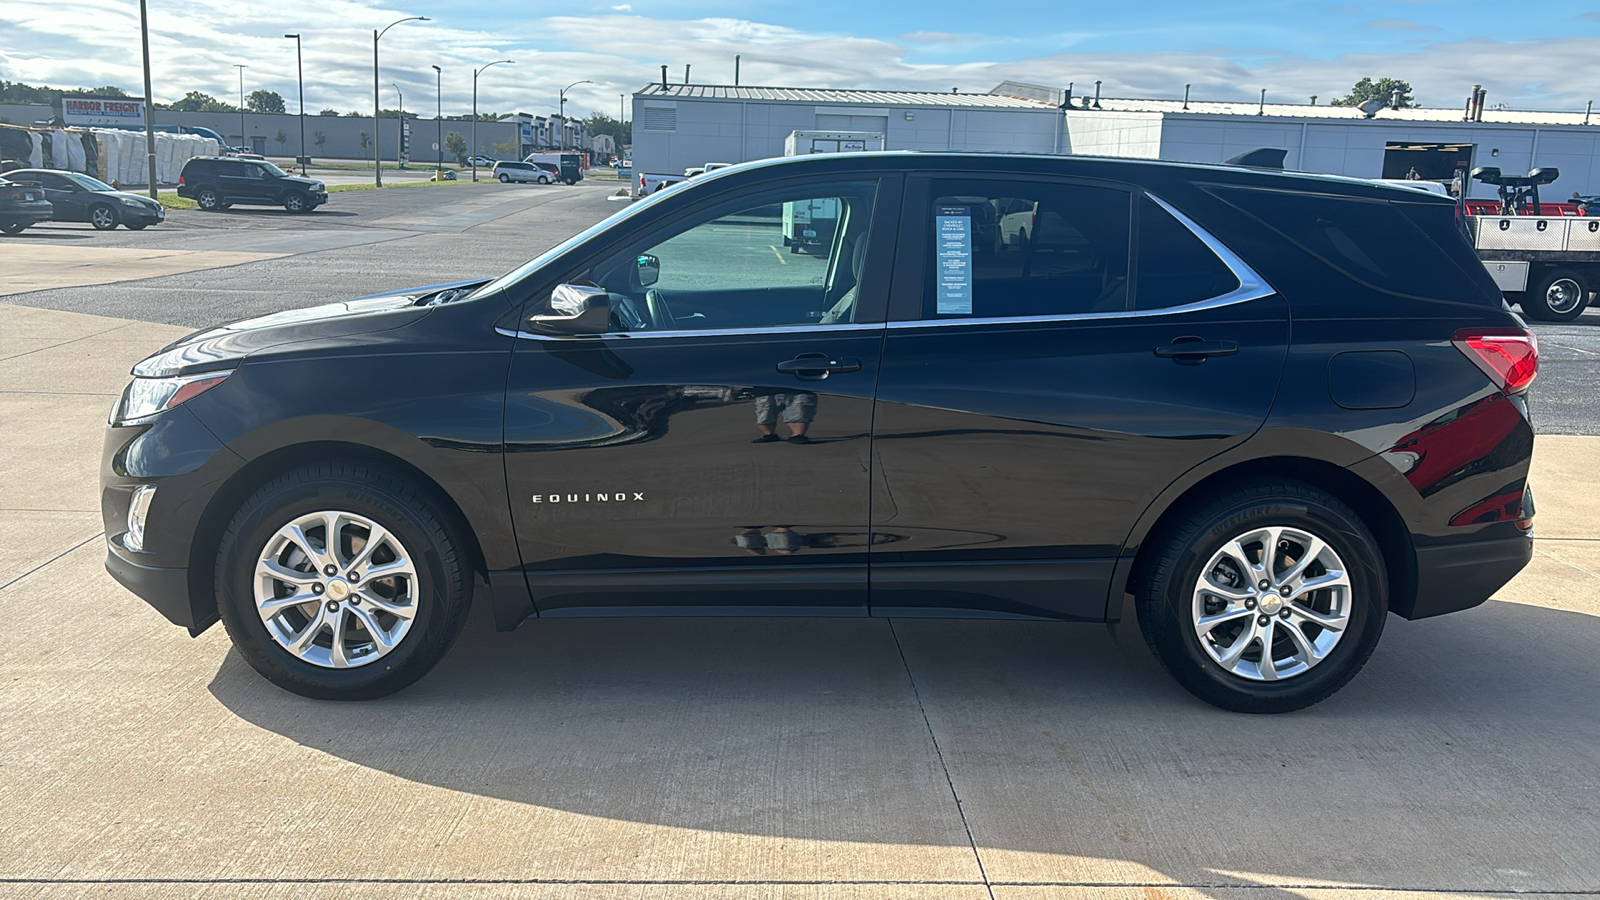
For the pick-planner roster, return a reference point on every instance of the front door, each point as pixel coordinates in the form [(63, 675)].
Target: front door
[(1075, 347), (711, 452), (68, 200)]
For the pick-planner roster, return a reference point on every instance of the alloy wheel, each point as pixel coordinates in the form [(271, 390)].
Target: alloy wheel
[(103, 218), (336, 589), (1271, 603)]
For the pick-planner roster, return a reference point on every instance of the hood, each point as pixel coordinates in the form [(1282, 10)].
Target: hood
[(227, 345), (146, 201), (303, 182)]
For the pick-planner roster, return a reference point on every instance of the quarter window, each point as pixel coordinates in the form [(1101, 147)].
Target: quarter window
[(1175, 268), (1026, 249)]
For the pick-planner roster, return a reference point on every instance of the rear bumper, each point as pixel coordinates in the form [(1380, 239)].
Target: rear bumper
[(1461, 576)]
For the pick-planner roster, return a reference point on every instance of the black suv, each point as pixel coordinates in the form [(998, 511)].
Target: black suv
[(1261, 410), (218, 182)]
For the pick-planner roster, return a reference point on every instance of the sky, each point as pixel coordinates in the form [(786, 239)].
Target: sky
[(1227, 49)]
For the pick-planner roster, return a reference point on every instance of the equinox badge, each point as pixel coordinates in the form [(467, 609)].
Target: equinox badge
[(618, 497)]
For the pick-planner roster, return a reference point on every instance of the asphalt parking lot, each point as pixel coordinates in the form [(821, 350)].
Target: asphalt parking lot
[(723, 757)]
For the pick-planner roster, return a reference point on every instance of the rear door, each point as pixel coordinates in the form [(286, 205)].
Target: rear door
[(1059, 352), (711, 452)]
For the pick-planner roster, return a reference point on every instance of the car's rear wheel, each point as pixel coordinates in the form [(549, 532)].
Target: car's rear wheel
[(208, 199), (339, 581), (297, 202), (1559, 296), (1267, 598), (504, 178), (12, 227), (102, 217)]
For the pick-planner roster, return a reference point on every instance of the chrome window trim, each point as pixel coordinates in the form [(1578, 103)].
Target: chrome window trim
[(691, 332), (1251, 287)]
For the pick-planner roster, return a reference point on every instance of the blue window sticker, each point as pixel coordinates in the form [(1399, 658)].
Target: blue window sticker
[(953, 245)]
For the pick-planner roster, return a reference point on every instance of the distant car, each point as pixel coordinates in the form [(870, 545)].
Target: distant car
[(218, 182), (76, 197), (692, 171), (21, 205), (482, 162), (508, 171)]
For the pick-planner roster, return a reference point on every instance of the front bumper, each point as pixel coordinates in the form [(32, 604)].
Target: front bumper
[(1460, 576), (166, 589)]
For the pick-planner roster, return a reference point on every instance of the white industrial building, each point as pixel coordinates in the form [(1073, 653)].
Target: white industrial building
[(677, 126)]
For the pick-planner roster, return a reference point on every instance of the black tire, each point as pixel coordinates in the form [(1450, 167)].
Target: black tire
[(103, 217), (298, 202), (443, 585), (208, 200), (1559, 296), (504, 178), (1165, 590), (12, 227)]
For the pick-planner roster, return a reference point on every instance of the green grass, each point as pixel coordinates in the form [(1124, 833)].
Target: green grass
[(171, 200)]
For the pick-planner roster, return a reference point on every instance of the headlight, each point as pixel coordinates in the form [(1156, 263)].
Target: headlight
[(145, 397), (130, 201)]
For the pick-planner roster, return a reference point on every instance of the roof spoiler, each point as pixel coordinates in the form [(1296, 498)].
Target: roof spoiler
[(1260, 158)]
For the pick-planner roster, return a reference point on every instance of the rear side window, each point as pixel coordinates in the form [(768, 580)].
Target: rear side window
[(1175, 268), (1368, 240), (1010, 249)]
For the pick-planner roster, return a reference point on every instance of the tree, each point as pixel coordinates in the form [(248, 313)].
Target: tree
[(352, 114), (505, 148), (457, 145), (282, 139), (600, 123), (329, 112), (264, 102), (197, 101), (1382, 89), (319, 139), (366, 140)]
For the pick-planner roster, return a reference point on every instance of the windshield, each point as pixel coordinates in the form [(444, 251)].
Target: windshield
[(87, 183), (273, 170), (510, 278)]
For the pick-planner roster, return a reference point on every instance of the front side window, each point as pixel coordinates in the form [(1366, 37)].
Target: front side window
[(1004, 249), (777, 259)]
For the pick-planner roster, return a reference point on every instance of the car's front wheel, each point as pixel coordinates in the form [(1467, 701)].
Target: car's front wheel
[(340, 581), (208, 199), (1267, 598), (103, 217), (297, 202)]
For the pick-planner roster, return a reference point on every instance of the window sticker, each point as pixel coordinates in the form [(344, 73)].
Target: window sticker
[(953, 237)]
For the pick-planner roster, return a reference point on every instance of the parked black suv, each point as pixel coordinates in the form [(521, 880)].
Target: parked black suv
[(1266, 409), (218, 182)]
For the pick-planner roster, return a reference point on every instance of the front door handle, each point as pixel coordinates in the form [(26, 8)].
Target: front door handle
[(1196, 350), (818, 365)]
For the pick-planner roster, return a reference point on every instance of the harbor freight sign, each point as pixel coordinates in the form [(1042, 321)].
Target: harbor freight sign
[(116, 112)]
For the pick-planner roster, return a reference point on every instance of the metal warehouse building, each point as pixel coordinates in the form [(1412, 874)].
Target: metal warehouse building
[(677, 126)]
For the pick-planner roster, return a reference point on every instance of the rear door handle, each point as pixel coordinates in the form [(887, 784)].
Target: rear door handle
[(1192, 349), (818, 365)]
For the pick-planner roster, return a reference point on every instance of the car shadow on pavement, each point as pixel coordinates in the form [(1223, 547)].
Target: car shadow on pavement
[(256, 212), (52, 235), (1468, 740)]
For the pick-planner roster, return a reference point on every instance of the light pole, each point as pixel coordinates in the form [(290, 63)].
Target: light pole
[(377, 105), (475, 112), (300, 69), (149, 101), (242, 135), (438, 120), (562, 115), (400, 132)]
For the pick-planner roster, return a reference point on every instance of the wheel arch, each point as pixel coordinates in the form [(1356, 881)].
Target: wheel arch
[(263, 468), (1367, 500)]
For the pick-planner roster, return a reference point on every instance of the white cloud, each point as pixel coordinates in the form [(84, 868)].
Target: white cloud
[(623, 7), (196, 42)]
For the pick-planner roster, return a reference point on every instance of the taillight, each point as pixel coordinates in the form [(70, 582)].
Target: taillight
[(13, 194), (1509, 356), (181, 182)]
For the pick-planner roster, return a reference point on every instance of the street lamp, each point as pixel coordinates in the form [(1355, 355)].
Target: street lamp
[(438, 120), (563, 113), (300, 68), (242, 135), (400, 133), (150, 102), (475, 112), (377, 105)]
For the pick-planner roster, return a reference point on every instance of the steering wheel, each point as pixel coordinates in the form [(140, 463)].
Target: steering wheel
[(660, 314)]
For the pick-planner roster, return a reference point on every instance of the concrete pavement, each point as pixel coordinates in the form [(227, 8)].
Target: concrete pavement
[(761, 758)]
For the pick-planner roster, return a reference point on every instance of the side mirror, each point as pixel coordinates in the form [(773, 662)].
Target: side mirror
[(575, 309), (648, 269)]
